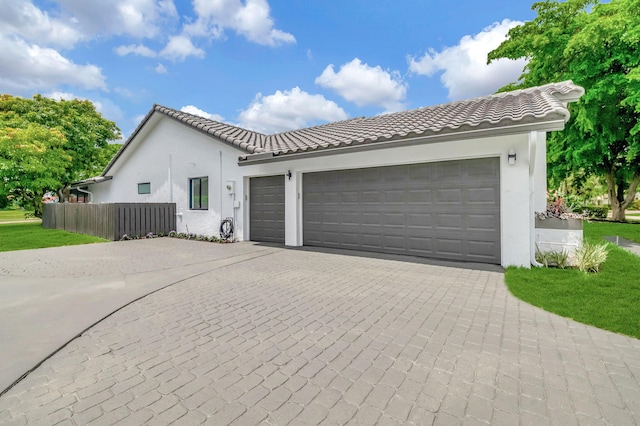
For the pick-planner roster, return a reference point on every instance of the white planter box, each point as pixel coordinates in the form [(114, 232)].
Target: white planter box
[(559, 235)]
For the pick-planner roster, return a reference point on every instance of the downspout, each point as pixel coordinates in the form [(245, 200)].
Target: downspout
[(170, 180), (533, 139), (86, 192), (220, 181)]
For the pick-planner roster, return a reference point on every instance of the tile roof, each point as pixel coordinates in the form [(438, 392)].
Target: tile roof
[(499, 111), (247, 140), (533, 105)]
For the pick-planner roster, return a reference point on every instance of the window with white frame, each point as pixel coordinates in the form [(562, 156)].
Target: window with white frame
[(199, 193)]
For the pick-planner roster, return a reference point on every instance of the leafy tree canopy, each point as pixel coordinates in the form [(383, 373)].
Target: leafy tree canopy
[(46, 144), (598, 47)]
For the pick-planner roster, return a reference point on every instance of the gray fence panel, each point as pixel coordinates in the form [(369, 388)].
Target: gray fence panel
[(111, 221)]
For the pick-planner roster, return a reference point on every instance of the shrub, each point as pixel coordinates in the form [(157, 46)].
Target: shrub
[(542, 257), (191, 236), (598, 212), (557, 258), (558, 208), (590, 256)]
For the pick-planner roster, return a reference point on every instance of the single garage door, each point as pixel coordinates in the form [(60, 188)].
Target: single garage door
[(446, 210), (266, 209)]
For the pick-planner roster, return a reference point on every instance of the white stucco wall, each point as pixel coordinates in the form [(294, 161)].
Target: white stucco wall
[(172, 153)]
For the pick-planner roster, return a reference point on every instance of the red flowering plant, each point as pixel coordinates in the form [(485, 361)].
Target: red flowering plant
[(557, 208)]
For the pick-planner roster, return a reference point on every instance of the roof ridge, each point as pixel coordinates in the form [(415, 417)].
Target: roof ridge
[(224, 131), (160, 108)]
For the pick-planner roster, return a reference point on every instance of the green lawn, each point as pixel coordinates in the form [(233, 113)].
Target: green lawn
[(31, 235), (609, 299), (11, 215)]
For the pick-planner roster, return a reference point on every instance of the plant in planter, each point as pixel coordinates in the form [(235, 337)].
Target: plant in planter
[(559, 231)]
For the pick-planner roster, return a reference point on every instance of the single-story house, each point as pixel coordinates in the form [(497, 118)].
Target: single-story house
[(458, 181)]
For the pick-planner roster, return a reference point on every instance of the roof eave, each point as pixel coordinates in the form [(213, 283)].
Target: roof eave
[(128, 141), (93, 180), (546, 126)]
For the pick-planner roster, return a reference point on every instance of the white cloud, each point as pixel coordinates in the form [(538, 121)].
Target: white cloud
[(107, 108), (251, 19), (135, 49), (191, 109), (161, 69), (59, 96), (179, 48), (364, 85), (24, 19), (137, 18), (289, 110), (26, 66), (465, 70)]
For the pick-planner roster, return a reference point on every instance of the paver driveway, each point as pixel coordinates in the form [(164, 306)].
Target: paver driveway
[(304, 337)]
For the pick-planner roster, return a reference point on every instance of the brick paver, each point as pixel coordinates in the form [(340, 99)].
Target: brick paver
[(304, 337)]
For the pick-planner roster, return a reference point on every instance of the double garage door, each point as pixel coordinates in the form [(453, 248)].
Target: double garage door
[(446, 210)]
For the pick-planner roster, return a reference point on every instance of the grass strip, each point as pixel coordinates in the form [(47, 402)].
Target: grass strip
[(11, 215), (607, 300), (26, 235)]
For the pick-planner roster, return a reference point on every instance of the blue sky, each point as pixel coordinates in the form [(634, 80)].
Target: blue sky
[(266, 65)]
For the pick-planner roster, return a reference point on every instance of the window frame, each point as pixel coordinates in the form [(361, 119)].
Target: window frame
[(199, 205), (148, 186)]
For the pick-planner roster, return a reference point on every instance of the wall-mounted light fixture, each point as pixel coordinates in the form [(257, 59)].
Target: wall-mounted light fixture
[(288, 174), (511, 157)]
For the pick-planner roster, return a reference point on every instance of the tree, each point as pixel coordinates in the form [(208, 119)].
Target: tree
[(598, 47), (82, 134), (31, 161)]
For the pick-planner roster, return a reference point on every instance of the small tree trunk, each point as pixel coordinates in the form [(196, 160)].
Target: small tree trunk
[(37, 206), (617, 212), (617, 199)]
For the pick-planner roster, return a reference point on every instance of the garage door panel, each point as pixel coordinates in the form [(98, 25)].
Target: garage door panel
[(423, 196), (450, 222), (483, 196), (448, 247), (394, 219), (368, 240), (482, 248), (416, 172), (478, 168), (447, 170), (483, 222), (446, 210), (266, 209), (449, 196)]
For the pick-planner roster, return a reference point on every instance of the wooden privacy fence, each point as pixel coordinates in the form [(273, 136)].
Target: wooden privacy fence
[(113, 220)]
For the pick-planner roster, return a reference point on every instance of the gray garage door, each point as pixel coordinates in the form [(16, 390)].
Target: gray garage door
[(266, 209), (447, 210)]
